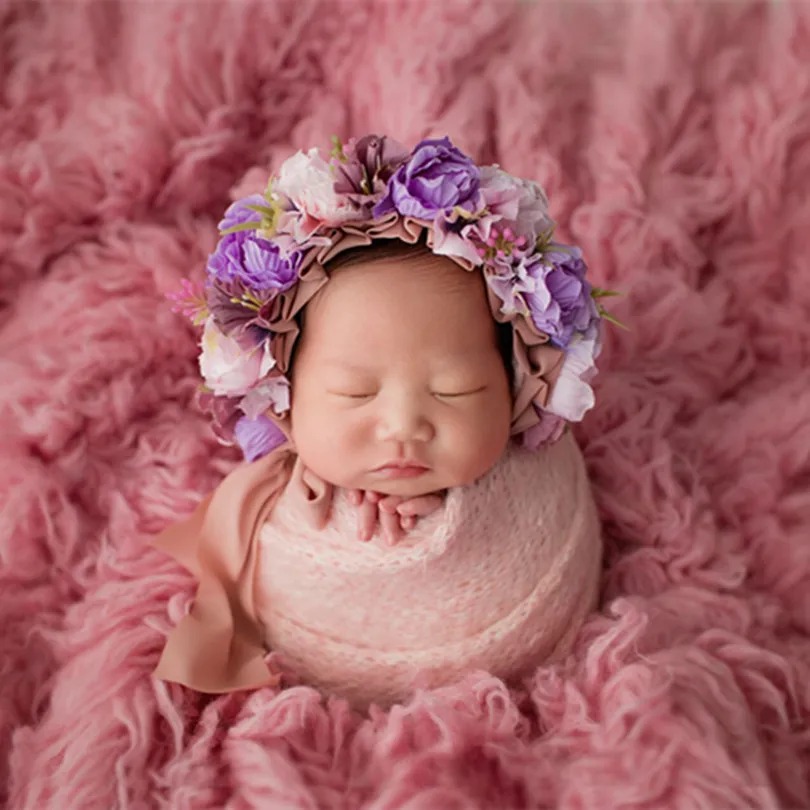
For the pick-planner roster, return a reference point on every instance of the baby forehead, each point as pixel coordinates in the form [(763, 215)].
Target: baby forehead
[(404, 313), (413, 283), (418, 303)]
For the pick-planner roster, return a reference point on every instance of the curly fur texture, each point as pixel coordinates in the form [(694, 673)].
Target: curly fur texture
[(674, 142)]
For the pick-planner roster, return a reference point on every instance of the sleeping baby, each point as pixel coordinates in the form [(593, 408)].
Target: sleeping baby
[(397, 344)]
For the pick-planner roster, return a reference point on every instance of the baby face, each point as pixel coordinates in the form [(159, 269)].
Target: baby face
[(399, 386)]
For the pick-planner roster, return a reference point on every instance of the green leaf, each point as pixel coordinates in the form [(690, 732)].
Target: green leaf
[(242, 226), (598, 292), (264, 210), (544, 238), (337, 149), (615, 321)]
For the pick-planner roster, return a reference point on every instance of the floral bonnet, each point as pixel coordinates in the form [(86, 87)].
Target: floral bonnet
[(275, 248)]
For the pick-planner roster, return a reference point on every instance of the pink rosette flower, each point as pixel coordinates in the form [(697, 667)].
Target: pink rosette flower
[(229, 368)]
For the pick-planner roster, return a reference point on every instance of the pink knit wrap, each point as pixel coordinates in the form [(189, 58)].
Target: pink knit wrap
[(499, 580)]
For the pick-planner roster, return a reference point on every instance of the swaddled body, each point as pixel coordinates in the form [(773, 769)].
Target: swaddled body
[(499, 579)]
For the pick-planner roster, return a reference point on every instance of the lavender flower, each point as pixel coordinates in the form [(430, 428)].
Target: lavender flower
[(255, 262), (560, 302), (548, 288), (239, 214), (438, 177), (258, 437)]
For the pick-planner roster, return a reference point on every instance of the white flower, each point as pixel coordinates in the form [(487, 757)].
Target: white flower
[(273, 393), (306, 179), (572, 397), (228, 369)]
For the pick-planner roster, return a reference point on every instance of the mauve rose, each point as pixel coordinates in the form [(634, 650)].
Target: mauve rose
[(437, 177), (547, 431), (364, 174)]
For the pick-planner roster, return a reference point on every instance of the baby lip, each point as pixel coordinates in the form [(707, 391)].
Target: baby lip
[(400, 465)]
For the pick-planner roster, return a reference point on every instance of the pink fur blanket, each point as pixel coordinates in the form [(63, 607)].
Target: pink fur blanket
[(674, 141)]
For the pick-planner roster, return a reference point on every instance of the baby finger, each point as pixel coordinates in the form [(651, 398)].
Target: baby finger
[(421, 506), (390, 524), (390, 504), (367, 514)]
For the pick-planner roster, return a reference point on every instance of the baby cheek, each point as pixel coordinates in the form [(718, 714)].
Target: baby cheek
[(347, 431), (491, 431)]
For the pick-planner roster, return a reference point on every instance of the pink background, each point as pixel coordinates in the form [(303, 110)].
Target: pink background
[(674, 142)]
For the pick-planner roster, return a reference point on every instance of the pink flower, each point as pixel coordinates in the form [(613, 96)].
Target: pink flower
[(190, 300), (512, 202), (515, 216), (229, 368), (308, 182), (273, 392), (547, 431)]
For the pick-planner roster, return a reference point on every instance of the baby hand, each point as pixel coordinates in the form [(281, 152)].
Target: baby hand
[(395, 514)]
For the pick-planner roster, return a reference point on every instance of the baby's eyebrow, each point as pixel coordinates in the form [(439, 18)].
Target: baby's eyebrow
[(346, 365)]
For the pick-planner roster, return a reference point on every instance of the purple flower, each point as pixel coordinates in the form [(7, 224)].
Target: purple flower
[(560, 302), (239, 214), (258, 437), (255, 262), (366, 166), (438, 177)]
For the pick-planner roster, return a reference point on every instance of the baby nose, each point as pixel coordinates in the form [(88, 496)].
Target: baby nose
[(404, 422)]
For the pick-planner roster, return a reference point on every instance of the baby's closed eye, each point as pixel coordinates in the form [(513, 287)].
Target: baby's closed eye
[(456, 393), (354, 394), (353, 389)]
